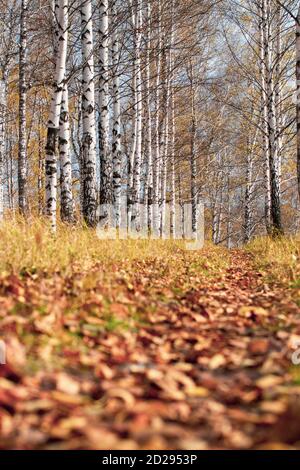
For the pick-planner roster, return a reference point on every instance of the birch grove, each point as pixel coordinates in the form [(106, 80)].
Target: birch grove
[(152, 111)]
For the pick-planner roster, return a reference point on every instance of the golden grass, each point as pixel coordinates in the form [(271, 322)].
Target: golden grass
[(278, 259), (30, 245)]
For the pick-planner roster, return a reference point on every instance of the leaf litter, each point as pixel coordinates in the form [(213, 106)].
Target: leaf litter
[(159, 355)]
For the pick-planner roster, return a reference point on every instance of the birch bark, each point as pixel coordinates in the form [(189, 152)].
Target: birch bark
[(298, 95), (172, 170), (157, 162), (274, 178), (264, 113), (193, 161), (106, 189), (3, 114), (248, 225), (89, 193), (135, 220), (116, 130), (149, 157), (22, 154), (65, 160), (53, 122)]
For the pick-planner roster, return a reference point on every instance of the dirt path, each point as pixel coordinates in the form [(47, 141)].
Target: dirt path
[(204, 362)]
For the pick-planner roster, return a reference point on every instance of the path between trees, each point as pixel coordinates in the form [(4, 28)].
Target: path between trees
[(165, 357)]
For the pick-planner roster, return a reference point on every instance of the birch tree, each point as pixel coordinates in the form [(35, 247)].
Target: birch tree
[(248, 223), (88, 116), (2, 141), (157, 161), (139, 107), (148, 145), (193, 160), (22, 158), (116, 129), (106, 189), (271, 119), (61, 14), (264, 114), (65, 160), (298, 94)]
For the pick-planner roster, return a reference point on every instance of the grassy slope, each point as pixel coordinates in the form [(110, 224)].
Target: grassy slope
[(278, 261)]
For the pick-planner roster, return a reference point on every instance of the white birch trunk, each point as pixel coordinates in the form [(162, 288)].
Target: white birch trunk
[(41, 171), (65, 160), (273, 156), (22, 154), (131, 159), (88, 116), (157, 162), (106, 189), (149, 158), (165, 146), (53, 122), (172, 170), (193, 161), (3, 105), (278, 90), (264, 112), (248, 224), (116, 130), (135, 219), (298, 95), (173, 134)]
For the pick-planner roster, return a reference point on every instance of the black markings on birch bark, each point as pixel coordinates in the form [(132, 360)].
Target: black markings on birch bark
[(106, 173), (298, 95), (88, 116), (61, 12), (3, 114), (116, 128), (22, 154), (66, 196)]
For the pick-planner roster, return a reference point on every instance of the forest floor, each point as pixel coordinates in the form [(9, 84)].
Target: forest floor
[(165, 349)]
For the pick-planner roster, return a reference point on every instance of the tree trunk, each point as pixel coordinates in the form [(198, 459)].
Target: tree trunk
[(53, 122), (193, 160), (274, 177), (149, 159), (172, 170), (278, 89), (298, 95), (116, 130), (135, 220), (41, 173), (106, 189), (66, 207), (22, 155), (3, 106), (157, 162), (88, 116), (264, 113)]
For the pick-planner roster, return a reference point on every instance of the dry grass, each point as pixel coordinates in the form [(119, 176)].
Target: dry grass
[(29, 245), (278, 259)]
